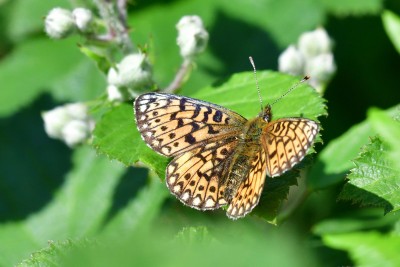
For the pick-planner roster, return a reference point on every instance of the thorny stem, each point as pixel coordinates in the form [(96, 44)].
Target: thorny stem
[(116, 22), (179, 77)]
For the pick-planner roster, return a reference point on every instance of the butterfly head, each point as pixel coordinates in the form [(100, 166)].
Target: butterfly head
[(266, 114)]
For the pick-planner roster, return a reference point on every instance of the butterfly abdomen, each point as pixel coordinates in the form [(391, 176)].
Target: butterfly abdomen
[(246, 152)]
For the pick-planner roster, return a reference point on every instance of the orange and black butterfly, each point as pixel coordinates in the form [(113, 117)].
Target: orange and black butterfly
[(219, 157)]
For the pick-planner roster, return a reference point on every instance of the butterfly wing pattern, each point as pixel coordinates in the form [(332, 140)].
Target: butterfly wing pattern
[(287, 141), (172, 124), (205, 140), (200, 135)]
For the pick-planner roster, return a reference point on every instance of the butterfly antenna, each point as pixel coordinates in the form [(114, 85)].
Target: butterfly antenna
[(255, 77), (292, 88)]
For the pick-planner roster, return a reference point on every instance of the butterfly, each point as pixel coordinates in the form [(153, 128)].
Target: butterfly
[(219, 157)]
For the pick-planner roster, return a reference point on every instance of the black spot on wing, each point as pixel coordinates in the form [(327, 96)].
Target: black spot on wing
[(206, 113), (190, 139), (217, 116)]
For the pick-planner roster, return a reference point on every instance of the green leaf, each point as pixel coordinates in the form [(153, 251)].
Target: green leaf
[(354, 7), (374, 181), (389, 130), (367, 248), (335, 160), (239, 94), (50, 256), (195, 247), (358, 220), (194, 236), (99, 55), (36, 66), (139, 214), (90, 184), (275, 193), (391, 23), (117, 137)]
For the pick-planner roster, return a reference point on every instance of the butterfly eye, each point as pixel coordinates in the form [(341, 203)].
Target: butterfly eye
[(266, 114), (266, 117)]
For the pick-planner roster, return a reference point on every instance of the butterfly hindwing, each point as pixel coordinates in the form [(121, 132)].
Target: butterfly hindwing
[(286, 142), (172, 124), (249, 191), (194, 177)]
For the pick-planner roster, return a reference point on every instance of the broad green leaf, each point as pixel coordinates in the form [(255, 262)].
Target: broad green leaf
[(194, 236), (117, 137), (239, 94), (389, 130), (50, 256), (354, 7), (196, 248), (274, 194), (374, 181), (90, 184), (367, 248), (36, 66), (354, 221), (335, 160), (391, 23), (139, 214)]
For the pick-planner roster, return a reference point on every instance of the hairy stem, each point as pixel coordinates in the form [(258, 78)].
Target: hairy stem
[(116, 22), (179, 77)]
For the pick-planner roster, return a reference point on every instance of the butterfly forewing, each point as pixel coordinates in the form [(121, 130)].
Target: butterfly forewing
[(172, 124), (286, 142)]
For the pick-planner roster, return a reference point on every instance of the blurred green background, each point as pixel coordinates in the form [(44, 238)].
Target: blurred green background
[(41, 195)]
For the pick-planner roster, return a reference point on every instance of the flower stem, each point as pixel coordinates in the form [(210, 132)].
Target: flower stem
[(179, 77), (115, 19)]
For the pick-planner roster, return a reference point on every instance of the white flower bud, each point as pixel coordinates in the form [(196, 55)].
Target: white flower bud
[(75, 132), (314, 43), (54, 120), (112, 77), (321, 68), (114, 93), (134, 72), (70, 123), (77, 111), (59, 23), (192, 36), (83, 18), (291, 61)]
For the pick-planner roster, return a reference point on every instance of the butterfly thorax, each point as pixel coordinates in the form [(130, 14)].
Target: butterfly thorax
[(246, 153)]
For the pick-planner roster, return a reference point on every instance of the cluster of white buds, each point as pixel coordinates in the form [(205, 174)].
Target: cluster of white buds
[(131, 77), (313, 57), (192, 36), (70, 123), (60, 22)]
